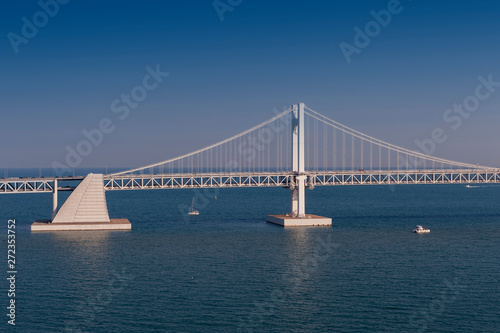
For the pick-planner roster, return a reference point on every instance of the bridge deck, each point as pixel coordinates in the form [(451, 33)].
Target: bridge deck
[(314, 178), (256, 179)]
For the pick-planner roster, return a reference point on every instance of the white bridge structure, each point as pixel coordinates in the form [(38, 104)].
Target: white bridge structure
[(297, 149)]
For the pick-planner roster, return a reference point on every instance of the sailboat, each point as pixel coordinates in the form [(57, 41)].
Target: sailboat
[(193, 211)]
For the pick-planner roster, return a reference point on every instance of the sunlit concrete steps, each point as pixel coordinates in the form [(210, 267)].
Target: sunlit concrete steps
[(85, 209), (87, 203)]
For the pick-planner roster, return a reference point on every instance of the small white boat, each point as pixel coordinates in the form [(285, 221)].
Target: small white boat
[(193, 211), (421, 230)]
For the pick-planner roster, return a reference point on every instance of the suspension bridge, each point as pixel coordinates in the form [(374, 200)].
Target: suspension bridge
[(296, 149)]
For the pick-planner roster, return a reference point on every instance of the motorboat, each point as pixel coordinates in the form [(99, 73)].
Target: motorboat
[(421, 230)]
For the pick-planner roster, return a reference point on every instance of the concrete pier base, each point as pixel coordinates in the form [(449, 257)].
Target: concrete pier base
[(114, 224), (290, 221), (85, 209)]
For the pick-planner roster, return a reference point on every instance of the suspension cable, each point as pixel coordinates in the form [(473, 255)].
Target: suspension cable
[(387, 145)]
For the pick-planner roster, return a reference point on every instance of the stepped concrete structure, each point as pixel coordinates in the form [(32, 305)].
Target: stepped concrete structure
[(85, 209), (86, 204)]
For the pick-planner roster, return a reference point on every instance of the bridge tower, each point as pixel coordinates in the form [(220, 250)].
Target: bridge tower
[(298, 217), (298, 161)]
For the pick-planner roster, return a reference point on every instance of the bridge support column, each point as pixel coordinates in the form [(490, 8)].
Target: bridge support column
[(299, 197), (54, 200), (298, 216)]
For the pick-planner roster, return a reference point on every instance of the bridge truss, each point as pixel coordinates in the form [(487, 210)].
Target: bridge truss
[(329, 178)]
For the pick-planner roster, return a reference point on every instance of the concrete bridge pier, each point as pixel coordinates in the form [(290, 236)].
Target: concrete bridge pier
[(54, 200), (85, 209), (298, 216)]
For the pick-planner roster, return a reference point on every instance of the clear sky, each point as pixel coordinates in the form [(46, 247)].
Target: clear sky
[(69, 73)]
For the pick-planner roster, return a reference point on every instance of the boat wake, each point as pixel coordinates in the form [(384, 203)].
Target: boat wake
[(487, 185)]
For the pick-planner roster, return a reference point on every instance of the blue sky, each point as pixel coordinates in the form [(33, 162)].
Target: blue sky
[(226, 76)]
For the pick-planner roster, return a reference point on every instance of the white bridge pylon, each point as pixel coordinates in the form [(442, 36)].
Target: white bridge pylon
[(298, 162), (298, 216)]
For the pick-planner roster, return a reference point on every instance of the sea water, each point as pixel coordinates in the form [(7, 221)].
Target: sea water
[(227, 270)]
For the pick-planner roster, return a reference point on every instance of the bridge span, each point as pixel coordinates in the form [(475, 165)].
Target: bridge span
[(297, 149), (267, 179)]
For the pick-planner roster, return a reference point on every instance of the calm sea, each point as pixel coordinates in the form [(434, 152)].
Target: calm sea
[(226, 270)]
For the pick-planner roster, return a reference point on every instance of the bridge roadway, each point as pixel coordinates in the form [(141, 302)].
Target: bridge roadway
[(35, 185), (256, 179)]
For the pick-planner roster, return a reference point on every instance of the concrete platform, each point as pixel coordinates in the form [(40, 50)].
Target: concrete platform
[(114, 224), (290, 221)]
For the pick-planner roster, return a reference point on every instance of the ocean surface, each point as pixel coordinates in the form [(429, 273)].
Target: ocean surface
[(227, 270)]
